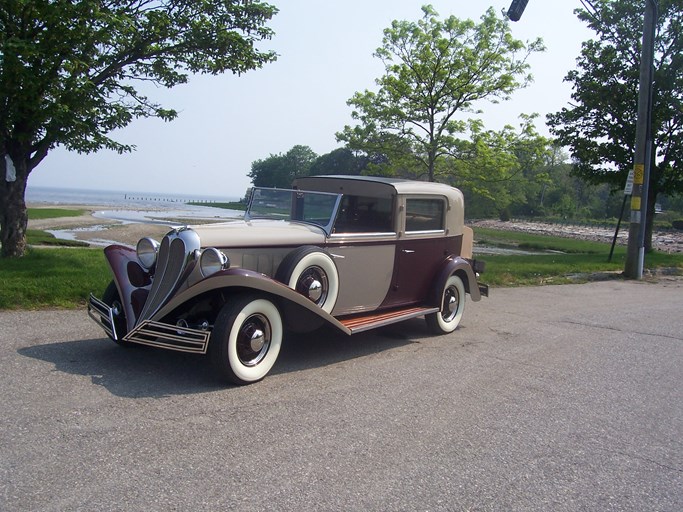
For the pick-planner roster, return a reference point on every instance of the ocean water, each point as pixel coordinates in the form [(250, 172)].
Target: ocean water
[(129, 207), (65, 196)]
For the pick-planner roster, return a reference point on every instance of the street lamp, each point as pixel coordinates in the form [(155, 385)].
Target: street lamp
[(516, 9)]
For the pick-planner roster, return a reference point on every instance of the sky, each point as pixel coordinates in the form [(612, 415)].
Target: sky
[(325, 52)]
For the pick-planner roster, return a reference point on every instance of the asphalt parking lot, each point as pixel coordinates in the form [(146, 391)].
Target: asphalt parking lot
[(551, 398)]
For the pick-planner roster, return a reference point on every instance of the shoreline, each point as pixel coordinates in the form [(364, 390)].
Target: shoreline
[(96, 228)]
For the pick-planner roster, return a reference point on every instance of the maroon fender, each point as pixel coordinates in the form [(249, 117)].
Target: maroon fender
[(461, 267), (132, 281)]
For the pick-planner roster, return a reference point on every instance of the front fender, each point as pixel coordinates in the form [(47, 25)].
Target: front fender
[(462, 267), (132, 281), (246, 279)]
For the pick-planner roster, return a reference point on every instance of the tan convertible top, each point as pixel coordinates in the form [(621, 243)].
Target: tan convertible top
[(375, 186), (390, 187)]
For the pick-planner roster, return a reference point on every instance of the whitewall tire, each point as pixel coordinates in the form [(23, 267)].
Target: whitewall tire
[(452, 307), (246, 339)]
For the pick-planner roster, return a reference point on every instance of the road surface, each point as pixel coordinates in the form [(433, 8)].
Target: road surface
[(547, 398)]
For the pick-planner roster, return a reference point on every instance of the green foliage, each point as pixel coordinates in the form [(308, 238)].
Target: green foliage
[(52, 278), (69, 69), (599, 126), (434, 69), (280, 170), (339, 161), (497, 169), (70, 74)]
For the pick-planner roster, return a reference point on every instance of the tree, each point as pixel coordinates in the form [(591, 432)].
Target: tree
[(435, 69), (280, 170), (70, 74), (497, 169), (339, 161), (599, 126)]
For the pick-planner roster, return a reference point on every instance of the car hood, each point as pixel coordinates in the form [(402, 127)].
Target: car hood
[(258, 233)]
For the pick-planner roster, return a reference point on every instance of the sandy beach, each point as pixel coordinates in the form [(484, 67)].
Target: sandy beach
[(100, 231)]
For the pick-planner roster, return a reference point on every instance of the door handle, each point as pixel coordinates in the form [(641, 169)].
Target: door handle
[(407, 251)]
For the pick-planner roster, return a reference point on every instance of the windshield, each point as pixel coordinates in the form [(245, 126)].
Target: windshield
[(314, 207)]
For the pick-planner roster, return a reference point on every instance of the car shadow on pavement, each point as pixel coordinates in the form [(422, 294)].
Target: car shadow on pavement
[(146, 372), (328, 346)]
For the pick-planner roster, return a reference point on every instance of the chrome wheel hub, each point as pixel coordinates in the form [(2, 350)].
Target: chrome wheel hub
[(313, 284), (450, 303), (253, 340), (258, 340)]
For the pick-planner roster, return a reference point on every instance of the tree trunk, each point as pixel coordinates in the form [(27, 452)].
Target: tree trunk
[(13, 214)]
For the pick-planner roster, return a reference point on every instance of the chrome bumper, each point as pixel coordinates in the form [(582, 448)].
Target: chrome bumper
[(147, 332), (103, 315), (172, 337)]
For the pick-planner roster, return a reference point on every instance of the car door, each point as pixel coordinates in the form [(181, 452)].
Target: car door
[(420, 250)]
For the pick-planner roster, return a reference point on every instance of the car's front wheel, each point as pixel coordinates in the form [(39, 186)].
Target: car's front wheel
[(452, 307), (246, 339)]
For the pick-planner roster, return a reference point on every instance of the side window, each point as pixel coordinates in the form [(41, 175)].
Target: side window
[(425, 214), (361, 214)]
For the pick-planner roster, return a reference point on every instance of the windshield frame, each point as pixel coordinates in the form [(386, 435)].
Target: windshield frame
[(290, 205)]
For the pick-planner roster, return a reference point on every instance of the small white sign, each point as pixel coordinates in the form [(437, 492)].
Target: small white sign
[(628, 189)]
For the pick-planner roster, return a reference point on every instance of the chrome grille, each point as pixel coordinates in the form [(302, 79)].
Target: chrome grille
[(176, 252)]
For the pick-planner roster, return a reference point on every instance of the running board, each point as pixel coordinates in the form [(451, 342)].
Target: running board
[(365, 322)]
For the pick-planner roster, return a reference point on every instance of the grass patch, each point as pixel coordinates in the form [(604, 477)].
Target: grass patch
[(63, 277), (574, 262), (530, 241), (40, 237), (52, 278), (53, 213)]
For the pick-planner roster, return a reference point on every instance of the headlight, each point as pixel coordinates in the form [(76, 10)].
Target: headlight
[(212, 260), (147, 252)]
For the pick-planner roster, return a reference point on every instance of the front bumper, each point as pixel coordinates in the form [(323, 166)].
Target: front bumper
[(148, 332)]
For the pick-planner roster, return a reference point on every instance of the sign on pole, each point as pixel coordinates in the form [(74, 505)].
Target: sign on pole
[(628, 189)]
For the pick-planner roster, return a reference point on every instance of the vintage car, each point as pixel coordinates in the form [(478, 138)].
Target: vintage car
[(351, 252)]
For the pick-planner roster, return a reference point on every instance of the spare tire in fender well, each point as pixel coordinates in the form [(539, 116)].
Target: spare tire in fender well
[(312, 272)]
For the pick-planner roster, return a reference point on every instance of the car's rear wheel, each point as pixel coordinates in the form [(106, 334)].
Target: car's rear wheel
[(311, 272), (452, 307), (246, 339), (112, 299)]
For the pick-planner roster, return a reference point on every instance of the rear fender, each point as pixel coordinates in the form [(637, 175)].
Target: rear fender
[(461, 267)]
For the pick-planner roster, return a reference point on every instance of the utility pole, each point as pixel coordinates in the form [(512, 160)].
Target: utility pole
[(642, 159)]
